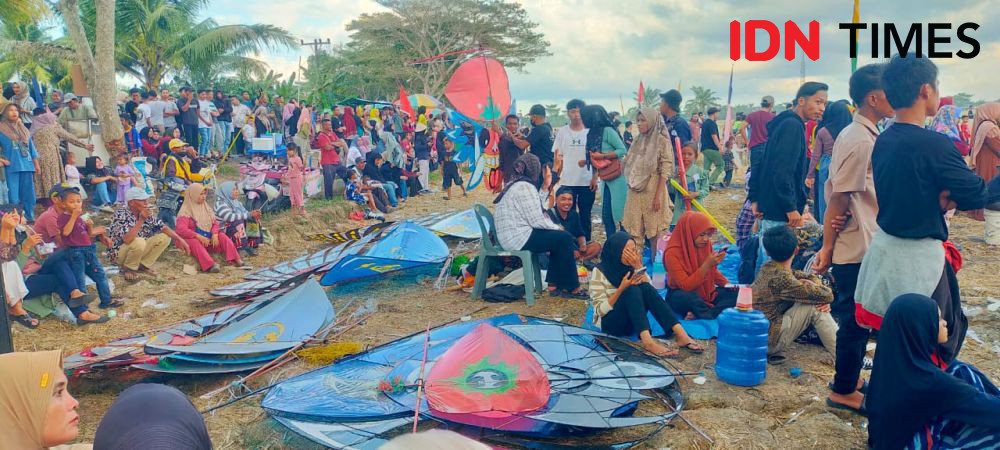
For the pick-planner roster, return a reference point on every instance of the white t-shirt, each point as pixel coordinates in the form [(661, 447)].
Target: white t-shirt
[(142, 112), (205, 119), (156, 112), (573, 147), (170, 121)]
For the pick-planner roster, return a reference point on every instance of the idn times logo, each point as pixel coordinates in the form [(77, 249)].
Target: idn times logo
[(885, 39)]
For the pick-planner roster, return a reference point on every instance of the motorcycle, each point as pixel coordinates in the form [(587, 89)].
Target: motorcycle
[(262, 185)]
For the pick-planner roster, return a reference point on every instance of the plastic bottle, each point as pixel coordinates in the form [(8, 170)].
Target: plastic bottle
[(741, 356)]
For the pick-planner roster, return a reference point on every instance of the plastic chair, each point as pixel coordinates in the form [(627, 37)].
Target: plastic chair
[(490, 247)]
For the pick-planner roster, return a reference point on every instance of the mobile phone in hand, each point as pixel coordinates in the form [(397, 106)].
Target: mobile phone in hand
[(638, 273)]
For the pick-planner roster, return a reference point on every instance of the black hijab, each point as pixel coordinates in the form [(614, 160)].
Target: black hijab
[(595, 118), (611, 258), (152, 416), (371, 169), (907, 389), (526, 168), (836, 117)]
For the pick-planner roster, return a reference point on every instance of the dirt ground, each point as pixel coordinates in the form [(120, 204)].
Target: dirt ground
[(781, 413)]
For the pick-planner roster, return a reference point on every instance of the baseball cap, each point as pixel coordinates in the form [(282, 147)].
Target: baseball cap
[(59, 188), (176, 143), (359, 160), (768, 99), (712, 110), (537, 110), (136, 193), (69, 97)]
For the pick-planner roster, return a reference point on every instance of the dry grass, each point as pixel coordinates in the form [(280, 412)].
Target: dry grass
[(736, 418)]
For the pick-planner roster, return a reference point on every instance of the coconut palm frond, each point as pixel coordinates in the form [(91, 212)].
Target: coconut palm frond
[(222, 39), (23, 11)]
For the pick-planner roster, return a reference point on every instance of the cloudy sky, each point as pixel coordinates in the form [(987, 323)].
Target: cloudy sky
[(601, 49)]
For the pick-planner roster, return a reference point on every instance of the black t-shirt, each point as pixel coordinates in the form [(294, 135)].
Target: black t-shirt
[(571, 223), (509, 152), (707, 130), (337, 123), (189, 117), (130, 107), (912, 166), (541, 140), (225, 108)]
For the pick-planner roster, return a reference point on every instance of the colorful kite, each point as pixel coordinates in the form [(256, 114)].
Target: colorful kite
[(480, 89)]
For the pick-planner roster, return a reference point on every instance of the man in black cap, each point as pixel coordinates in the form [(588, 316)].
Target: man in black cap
[(711, 146), (676, 126), (540, 138)]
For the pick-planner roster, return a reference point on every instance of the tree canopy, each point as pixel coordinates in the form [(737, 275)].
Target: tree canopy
[(702, 99)]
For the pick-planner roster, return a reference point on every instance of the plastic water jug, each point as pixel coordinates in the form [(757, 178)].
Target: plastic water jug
[(741, 355)]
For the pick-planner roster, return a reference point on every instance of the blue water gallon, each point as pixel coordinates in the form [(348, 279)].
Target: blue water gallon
[(741, 355)]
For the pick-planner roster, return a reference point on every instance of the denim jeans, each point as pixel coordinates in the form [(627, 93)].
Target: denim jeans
[(390, 191), (21, 190), (821, 177), (204, 140), (84, 262), (224, 135), (404, 189), (101, 196), (330, 172)]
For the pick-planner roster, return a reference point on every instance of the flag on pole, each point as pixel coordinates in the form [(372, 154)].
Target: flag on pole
[(679, 86), (404, 103), (622, 104), (728, 130), (856, 18), (642, 94)]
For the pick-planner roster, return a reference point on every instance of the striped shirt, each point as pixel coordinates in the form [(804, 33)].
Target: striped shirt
[(600, 290), (519, 213)]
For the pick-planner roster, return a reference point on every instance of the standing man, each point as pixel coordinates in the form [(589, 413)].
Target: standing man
[(851, 192), (134, 100), (206, 121), (337, 122), (275, 114), (778, 191), (76, 112), (711, 146), (695, 124), (170, 112), (757, 122), (577, 175), (676, 126), (224, 121), (157, 106), (239, 113), (188, 115), (328, 142), (511, 146), (143, 112), (246, 100), (540, 137)]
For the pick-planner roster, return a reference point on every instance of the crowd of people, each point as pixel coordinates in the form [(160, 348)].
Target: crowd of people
[(818, 247)]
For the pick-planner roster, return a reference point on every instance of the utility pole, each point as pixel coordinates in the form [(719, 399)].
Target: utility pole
[(316, 44)]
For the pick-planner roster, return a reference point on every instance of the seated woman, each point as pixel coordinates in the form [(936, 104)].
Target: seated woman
[(234, 218), (913, 401), (521, 224), (173, 423), (36, 407), (692, 272), (622, 297), (101, 182), (564, 214), (197, 225)]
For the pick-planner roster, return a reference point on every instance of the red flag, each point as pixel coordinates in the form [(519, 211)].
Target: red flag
[(642, 94), (404, 103)]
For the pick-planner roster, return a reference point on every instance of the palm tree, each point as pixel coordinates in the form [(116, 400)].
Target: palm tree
[(23, 11), (552, 110), (30, 53), (704, 98), (161, 38)]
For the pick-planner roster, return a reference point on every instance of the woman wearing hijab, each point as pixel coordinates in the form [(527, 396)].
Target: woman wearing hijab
[(36, 408), (351, 125), (234, 219), (605, 150), (648, 165), (913, 401), (692, 269), (47, 133), (395, 161), (836, 117), (173, 422), (985, 154), (25, 103), (522, 224), (946, 122), (20, 160), (196, 224), (623, 298), (103, 182)]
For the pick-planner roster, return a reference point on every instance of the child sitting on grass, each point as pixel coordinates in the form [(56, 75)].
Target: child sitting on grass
[(791, 300), (697, 182), (449, 170), (352, 190)]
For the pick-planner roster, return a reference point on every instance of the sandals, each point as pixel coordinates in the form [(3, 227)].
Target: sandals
[(26, 320), (115, 303), (82, 322), (863, 389), (693, 348), (81, 300), (144, 269), (130, 275), (859, 411), (581, 294), (775, 360), (214, 269)]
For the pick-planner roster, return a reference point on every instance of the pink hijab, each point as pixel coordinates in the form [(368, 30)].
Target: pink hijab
[(984, 126), (41, 121)]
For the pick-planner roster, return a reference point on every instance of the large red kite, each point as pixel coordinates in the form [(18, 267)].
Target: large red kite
[(479, 89)]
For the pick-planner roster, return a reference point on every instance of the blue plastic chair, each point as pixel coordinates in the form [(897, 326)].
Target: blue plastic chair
[(490, 247)]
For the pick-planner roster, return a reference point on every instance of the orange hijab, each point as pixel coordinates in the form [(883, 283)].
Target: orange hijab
[(681, 241)]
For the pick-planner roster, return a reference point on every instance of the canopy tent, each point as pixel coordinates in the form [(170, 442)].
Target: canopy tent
[(356, 101)]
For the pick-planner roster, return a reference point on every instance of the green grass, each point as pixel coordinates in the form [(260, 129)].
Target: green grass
[(228, 171), (315, 204)]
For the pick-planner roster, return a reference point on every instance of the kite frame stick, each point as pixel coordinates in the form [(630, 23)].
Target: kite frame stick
[(698, 206), (420, 386), (232, 144)]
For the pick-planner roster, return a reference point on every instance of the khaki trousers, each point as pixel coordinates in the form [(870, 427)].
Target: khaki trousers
[(143, 251), (797, 319)]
